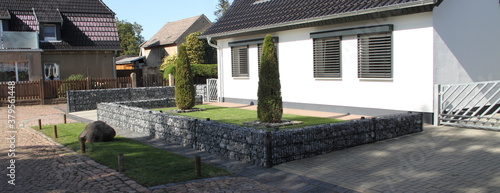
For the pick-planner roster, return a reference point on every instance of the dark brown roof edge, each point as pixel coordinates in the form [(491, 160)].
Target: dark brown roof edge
[(409, 7)]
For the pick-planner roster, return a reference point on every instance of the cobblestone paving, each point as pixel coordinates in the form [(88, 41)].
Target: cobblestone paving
[(235, 184), (41, 165), (441, 159)]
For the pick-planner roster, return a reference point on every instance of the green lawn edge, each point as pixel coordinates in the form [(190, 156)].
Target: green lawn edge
[(147, 165), (235, 116)]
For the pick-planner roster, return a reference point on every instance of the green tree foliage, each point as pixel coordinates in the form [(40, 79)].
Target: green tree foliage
[(204, 70), (130, 37), (221, 7), (198, 50), (270, 104), (184, 83), (168, 66)]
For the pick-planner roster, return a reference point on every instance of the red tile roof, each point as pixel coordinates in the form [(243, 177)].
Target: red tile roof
[(86, 24)]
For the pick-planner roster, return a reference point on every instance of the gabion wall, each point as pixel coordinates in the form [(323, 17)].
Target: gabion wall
[(259, 147), (84, 100)]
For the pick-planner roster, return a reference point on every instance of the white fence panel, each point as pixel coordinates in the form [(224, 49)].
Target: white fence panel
[(475, 105)]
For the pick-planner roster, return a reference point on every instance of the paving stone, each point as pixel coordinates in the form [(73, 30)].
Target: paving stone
[(45, 166), (378, 167)]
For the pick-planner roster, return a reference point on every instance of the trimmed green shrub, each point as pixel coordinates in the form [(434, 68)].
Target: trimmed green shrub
[(208, 70), (76, 77), (184, 83), (270, 104), (73, 82)]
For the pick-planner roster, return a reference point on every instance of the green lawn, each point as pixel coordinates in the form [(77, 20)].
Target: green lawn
[(147, 165), (238, 116)]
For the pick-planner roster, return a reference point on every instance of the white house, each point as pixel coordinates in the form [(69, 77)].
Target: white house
[(368, 57)]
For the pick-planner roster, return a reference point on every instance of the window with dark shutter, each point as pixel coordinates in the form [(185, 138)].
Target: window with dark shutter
[(239, 64), (375, 56), (327, 57)]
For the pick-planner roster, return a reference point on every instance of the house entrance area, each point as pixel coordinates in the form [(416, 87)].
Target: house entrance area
[(474, 105)]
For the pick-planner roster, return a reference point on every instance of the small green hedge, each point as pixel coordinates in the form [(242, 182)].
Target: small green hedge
[(209, 70)]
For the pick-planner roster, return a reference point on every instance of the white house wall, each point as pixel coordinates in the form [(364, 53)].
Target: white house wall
[(467, 41), (410, 89)]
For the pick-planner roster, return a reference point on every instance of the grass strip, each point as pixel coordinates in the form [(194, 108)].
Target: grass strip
[(147, 165), (237, 116)]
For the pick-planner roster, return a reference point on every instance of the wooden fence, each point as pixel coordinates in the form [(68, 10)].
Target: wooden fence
[(53, 89), (152, 80)]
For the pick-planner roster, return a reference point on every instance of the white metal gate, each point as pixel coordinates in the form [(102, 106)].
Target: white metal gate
[(475, 105), (212, 90)]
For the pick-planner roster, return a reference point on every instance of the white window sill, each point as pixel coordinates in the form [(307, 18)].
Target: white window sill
[(377, 79), (328, 79), (241, 78), (51, 41)]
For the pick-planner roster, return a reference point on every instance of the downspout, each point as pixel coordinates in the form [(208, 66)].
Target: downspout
[(114, 64), (220, 75)]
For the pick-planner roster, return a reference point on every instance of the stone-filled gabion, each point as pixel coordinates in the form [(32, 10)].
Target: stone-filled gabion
[(251, 145), (83, 100)]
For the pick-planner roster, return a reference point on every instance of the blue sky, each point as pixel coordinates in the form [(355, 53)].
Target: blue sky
[(153, 14)]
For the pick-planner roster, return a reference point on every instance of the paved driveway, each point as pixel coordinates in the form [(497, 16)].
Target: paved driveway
[(441, 159)]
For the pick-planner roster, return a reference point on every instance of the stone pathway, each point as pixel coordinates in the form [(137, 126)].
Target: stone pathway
[(441, 159), (41, 165)]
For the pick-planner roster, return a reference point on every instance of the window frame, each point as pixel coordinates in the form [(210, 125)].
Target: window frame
[(50, 38), (239, 66), (19, 67), (375, 56), (54, 70), (327, 56)]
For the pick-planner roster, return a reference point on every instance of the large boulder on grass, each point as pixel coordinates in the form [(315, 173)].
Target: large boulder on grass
[(97, 131)]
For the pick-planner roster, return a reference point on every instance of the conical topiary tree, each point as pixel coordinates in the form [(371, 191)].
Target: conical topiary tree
[(184, 83), (270, 104)]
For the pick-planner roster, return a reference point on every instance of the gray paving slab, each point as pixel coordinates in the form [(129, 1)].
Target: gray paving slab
[(440, 159)]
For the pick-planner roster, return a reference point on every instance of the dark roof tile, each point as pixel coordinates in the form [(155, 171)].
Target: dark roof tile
[(4, 13), (246, 14), (48, 15)]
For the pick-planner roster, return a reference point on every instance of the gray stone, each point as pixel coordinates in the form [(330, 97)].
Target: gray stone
[(97, 131)]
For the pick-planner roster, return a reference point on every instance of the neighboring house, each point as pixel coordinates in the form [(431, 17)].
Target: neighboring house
[(130, 62), (166, 41), (126, 65), (53, 39), (361, 57)]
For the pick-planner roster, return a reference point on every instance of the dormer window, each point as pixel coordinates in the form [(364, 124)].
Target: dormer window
[(50, 21), (50, 32)]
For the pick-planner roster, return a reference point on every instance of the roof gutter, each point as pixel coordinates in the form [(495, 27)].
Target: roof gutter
[(330, 17), (220, 71)]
